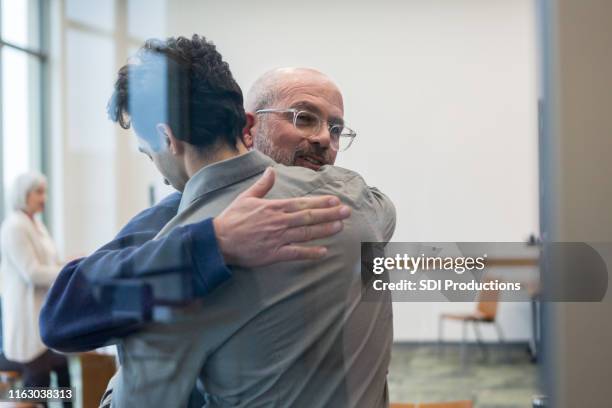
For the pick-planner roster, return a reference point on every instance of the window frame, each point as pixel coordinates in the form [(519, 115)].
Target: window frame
[(41, 54)]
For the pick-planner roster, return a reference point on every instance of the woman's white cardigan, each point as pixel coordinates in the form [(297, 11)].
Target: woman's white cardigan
[(28, 268)]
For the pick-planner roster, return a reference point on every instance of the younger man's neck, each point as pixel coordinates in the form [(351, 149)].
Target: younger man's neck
[(196, 160)]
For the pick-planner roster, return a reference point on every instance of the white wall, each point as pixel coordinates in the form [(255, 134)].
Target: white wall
[(442, 94)]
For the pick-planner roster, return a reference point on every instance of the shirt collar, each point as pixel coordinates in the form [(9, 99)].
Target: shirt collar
[(222, 174)]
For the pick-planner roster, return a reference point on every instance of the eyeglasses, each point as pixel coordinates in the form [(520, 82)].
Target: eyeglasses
[(309, 124)]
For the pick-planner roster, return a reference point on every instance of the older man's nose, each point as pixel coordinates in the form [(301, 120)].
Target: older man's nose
[(322, 138)]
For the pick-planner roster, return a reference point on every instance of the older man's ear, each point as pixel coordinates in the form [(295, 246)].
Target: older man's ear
[(247, 132)]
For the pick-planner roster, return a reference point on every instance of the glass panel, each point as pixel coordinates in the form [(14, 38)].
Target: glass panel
[(91, 75), (146, 18), (90, 156), (20, 23), (95, 13), (20, 114)]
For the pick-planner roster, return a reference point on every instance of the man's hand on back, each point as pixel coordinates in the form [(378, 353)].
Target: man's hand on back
[(254, 231)]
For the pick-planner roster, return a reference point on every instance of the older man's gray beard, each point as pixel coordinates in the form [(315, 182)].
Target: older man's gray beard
[(265, 146)]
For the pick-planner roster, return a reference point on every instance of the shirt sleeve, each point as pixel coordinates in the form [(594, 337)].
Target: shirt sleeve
[(111, 293), (386, 212), (19, 248)]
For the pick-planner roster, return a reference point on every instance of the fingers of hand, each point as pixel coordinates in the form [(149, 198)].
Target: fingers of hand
[(304, 203), (317, 216), (261, 186), (310, 232), (296, 252)]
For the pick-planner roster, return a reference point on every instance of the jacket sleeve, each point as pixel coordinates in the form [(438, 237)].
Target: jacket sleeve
[(19, 248), (111, 293)]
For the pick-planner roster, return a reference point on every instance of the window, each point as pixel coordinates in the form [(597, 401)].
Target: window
[(97, 36), (22, 65)]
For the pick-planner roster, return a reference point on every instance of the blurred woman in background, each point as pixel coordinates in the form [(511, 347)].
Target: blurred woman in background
[(29, 266)]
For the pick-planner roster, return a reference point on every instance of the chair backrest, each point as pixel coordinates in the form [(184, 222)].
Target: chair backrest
[(454, 404), (402, 405), (487, 303), (9, 376), (96, 371), (8, 380)]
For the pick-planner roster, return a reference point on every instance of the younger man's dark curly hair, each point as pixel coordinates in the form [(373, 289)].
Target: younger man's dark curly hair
[(183, 83)]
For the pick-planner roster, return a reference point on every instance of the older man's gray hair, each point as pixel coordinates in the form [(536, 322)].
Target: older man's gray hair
[(24, 184), (271, 86)]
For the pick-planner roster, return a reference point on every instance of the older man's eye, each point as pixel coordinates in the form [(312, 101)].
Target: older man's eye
[(335, 131), (306, 120)]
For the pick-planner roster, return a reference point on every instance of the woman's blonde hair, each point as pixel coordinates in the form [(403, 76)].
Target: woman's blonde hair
[(24, 184)]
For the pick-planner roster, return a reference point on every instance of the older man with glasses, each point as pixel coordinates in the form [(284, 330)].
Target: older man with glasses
[(296, 117)]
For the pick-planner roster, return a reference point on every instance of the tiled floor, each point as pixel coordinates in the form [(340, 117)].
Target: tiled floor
[(421, 374), (507, 379)]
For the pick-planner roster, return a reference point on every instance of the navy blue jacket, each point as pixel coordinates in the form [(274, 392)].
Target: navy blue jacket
[(113, 292)]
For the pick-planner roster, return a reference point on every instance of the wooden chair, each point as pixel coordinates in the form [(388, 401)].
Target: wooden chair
[(96, 370), (486, 313), (8, 379)]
